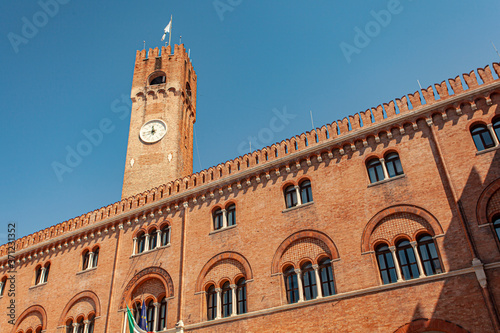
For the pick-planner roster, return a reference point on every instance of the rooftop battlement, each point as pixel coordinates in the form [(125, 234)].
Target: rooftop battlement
[(320, 142)]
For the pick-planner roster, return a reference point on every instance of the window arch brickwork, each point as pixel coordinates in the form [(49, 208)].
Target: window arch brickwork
[(228, 265), (146, 274), (488, 203), (396, 218), (303, 244), (83, 302), (32, 317)]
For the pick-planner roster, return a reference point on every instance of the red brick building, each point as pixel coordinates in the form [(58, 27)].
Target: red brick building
[(385, 221)]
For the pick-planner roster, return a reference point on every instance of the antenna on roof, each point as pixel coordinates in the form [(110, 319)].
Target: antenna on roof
[(250, 146), (189, 53), (144, 44), (180, 39), (419, 84), (312, 123), (495, 48)]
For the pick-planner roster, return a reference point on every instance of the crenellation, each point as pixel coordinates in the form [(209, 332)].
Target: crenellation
[(402, 104), (415, 100), (470, 79), (390, 109), (428, 95), (378, 113), (456, 85)]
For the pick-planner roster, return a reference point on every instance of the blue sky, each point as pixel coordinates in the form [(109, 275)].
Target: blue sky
[(251, 57)]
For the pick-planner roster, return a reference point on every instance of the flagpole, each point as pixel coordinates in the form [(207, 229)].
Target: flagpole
[(170, 33)]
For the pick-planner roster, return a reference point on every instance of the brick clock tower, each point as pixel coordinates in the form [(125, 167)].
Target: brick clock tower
[(160, 143)]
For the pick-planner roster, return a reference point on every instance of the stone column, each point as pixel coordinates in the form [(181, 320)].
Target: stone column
[(169, 233), (135, 246), (224, 218), (234, 309), (396, 262), (1, 288), (417, 257), (155, 322), (86, 327), (146, 243), (42, 275), (384, 167), (158, 238), (297, 192), (493, 134), (318, 281), (125, 322), (299, 283), (75, 327), (91, 259), (219, 303)]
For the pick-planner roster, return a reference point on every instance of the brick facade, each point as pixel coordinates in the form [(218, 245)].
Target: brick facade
[(448, 190)]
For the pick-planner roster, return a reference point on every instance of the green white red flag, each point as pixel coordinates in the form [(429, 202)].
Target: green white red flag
[(132, 325)]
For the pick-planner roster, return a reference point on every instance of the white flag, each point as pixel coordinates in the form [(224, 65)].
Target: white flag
[(167, 29)]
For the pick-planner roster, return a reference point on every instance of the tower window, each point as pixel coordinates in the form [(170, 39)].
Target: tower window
[(211, 303), (227, 297), (241, 296), (158, 80), (429, 255), (218, 218), (375, 170), (393, 164), (291, 285), (482, 137), (407, 260), (386, 264), (326, 276), (290, 196), (306, 192)]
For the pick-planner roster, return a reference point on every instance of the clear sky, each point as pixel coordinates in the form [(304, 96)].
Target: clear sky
[(65, 66)]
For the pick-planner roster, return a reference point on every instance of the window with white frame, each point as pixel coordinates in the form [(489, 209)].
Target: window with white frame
[(384, 168)]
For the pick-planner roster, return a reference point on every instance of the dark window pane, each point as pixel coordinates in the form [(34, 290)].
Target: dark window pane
[(386, 264), (429, 255), (218, 219), (375, 170), (95, 260), (306, 192), (290, 197), (231, 215), (482, 137)]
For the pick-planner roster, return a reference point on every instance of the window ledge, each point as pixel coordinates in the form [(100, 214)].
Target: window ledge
[(222, 229), (149, 251), (298, 206), (484, 151), (38, 285), (87, 270), (387, 180)]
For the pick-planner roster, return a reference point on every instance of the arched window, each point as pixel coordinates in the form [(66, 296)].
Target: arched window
[(162, 315), (231, 215), (137, 312), (290, 196), (375, 170), (326, 276), (141, 242), (91, 324), (153, 239), (81, 325), (38, 275), (188, 89), (211, 303), (496, 127), (217, 216), (429, 255), (496, 225), (306, 192), (39, 330), (309, 281), (95, 258), (393, 164), (85, 259), (482, 137), (291, 285), (2, 285), (386, 264), (165, 235), (227, 300), (407, 260), (158, 80), (241, 296), (150, 315), (69, 326), (47, 269)]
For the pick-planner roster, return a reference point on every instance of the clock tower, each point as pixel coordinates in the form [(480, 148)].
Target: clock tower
[(160, 143)]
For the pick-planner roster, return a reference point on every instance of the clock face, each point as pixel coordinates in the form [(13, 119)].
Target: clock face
[(153, 131)]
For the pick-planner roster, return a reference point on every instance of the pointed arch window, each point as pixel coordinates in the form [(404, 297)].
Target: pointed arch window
[(91, 324), (227, 297), (386, 264), (482, 137), (158, 80), (326, 276), (211, 303), (407, 260), (241, 296), (309, 281), (153, 239), (291, 285), (38, 275), (95, 258), (69, 326), (306, 191), (429, 255), (80, 326)]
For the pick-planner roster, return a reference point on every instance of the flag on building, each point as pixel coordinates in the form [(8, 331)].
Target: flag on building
[(167, 29), (132, 325)]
